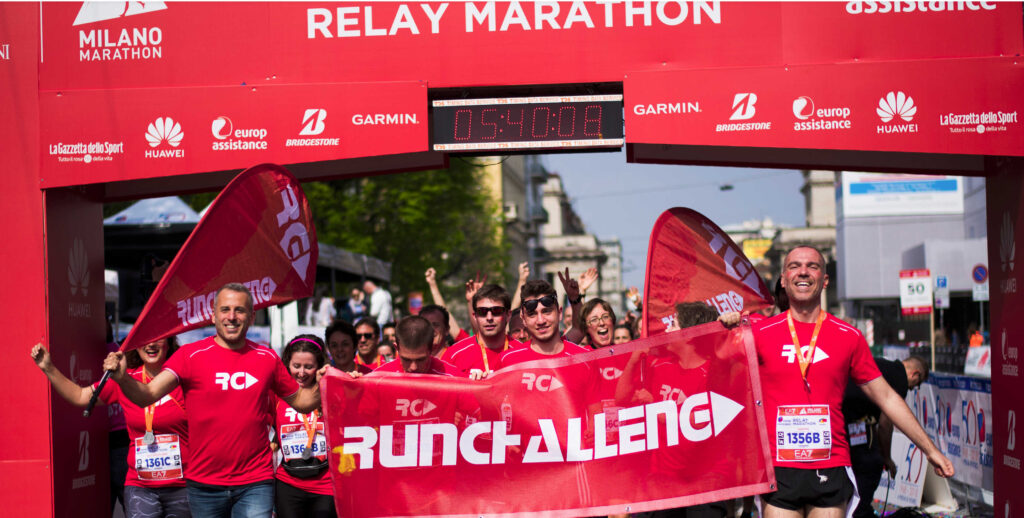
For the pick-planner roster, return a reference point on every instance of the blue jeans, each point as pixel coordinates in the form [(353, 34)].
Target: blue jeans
[(252, 501)]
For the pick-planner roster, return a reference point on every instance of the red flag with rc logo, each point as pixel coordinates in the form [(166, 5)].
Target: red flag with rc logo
[(690, 259), (258, 232)]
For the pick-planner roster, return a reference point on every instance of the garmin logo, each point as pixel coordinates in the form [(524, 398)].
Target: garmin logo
[(667, 108), (384, 119)]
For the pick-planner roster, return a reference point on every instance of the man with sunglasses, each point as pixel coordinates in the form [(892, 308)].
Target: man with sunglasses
[(367, 336), (476, 356), (541, 316)]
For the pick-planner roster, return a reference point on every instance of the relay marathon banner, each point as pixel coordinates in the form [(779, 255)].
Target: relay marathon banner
[(259, 232), (658, 423), (690, 259)]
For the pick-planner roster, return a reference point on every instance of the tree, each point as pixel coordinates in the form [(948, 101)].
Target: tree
[(440, 218)]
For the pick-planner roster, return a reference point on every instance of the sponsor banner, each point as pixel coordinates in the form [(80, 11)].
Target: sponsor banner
[(108, 135), (879, 194), (906, 489), (690, 259), (124, 44), (909, 106), (600, 433), (75, 338), (956, 412), (1004, 192), (259, 232)]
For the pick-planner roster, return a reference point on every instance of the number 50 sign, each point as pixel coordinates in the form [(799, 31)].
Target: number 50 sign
[(916, 291)]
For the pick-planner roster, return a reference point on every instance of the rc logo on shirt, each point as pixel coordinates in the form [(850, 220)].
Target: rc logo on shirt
[(237, 380), (415, 408), (789, 353), (291, 415), (543, 383), (610, 373)]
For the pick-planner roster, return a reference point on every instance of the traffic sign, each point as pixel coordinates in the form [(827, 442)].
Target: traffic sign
[(942, 292), (979, 273), (916, 291)]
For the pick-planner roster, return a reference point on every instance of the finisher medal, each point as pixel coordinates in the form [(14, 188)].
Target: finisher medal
[(307, 453), (149, 438)]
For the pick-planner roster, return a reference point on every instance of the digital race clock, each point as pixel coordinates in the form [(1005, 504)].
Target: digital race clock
[(509, 123)]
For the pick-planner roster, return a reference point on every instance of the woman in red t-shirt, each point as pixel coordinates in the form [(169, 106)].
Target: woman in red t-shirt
[(304, 487), (158, 452)]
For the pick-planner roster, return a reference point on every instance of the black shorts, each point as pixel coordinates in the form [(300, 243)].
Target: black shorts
[(798, 488)]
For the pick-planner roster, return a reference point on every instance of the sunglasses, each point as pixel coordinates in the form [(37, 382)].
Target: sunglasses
[(360, 336), (547, 301), (497, 311)]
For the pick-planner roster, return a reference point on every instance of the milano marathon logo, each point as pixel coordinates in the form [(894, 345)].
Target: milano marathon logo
[(101, 11)]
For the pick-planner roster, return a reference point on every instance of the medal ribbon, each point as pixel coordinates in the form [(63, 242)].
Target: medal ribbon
[(309, 422), (805, 360), (150, 410), (377, 363), (483, 351)]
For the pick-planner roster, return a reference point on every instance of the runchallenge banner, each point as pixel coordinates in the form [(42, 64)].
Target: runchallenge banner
[(258, 232), (690, 259), (662, 422)]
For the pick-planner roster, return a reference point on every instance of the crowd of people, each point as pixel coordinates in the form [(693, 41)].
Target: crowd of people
[(197, 416)]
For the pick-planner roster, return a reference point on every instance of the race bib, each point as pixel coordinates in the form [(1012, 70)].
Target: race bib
[(803, 433), (611, 413), (160, 460), (858, 433), (294, 439)]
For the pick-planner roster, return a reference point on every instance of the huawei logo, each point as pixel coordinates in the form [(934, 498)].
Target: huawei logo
[(896, 104), (78, 268), (100, 11), (164, 129), (1007, 244)]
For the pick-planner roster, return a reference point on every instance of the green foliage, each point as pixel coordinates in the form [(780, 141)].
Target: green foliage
[(442, 219)]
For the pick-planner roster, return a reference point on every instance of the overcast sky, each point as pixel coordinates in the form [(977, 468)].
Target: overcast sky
[(616, 198)]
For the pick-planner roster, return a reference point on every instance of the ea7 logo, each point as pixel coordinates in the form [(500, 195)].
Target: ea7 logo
[(543, 383), (415, 408), (789, 353), (237, 380)]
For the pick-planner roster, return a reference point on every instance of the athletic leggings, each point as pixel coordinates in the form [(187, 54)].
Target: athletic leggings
[(166, 502), (292, 502)]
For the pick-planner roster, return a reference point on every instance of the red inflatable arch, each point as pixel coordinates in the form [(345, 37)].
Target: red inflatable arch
[(117, 100)]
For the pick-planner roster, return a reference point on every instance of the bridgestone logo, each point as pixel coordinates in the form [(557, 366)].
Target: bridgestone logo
[(311, 142), (746, 126)]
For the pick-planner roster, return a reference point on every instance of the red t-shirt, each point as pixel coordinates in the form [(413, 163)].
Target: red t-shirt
[(841, 354), (228, 411), (526, 353), (461, 336), (168, 418), (437, 366), (287, 422), (375, 364), (466, 356)]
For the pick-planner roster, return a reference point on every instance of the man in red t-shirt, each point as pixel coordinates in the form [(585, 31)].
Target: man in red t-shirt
[(806, 357), (226, 380), (477, 356), (399, 405)]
